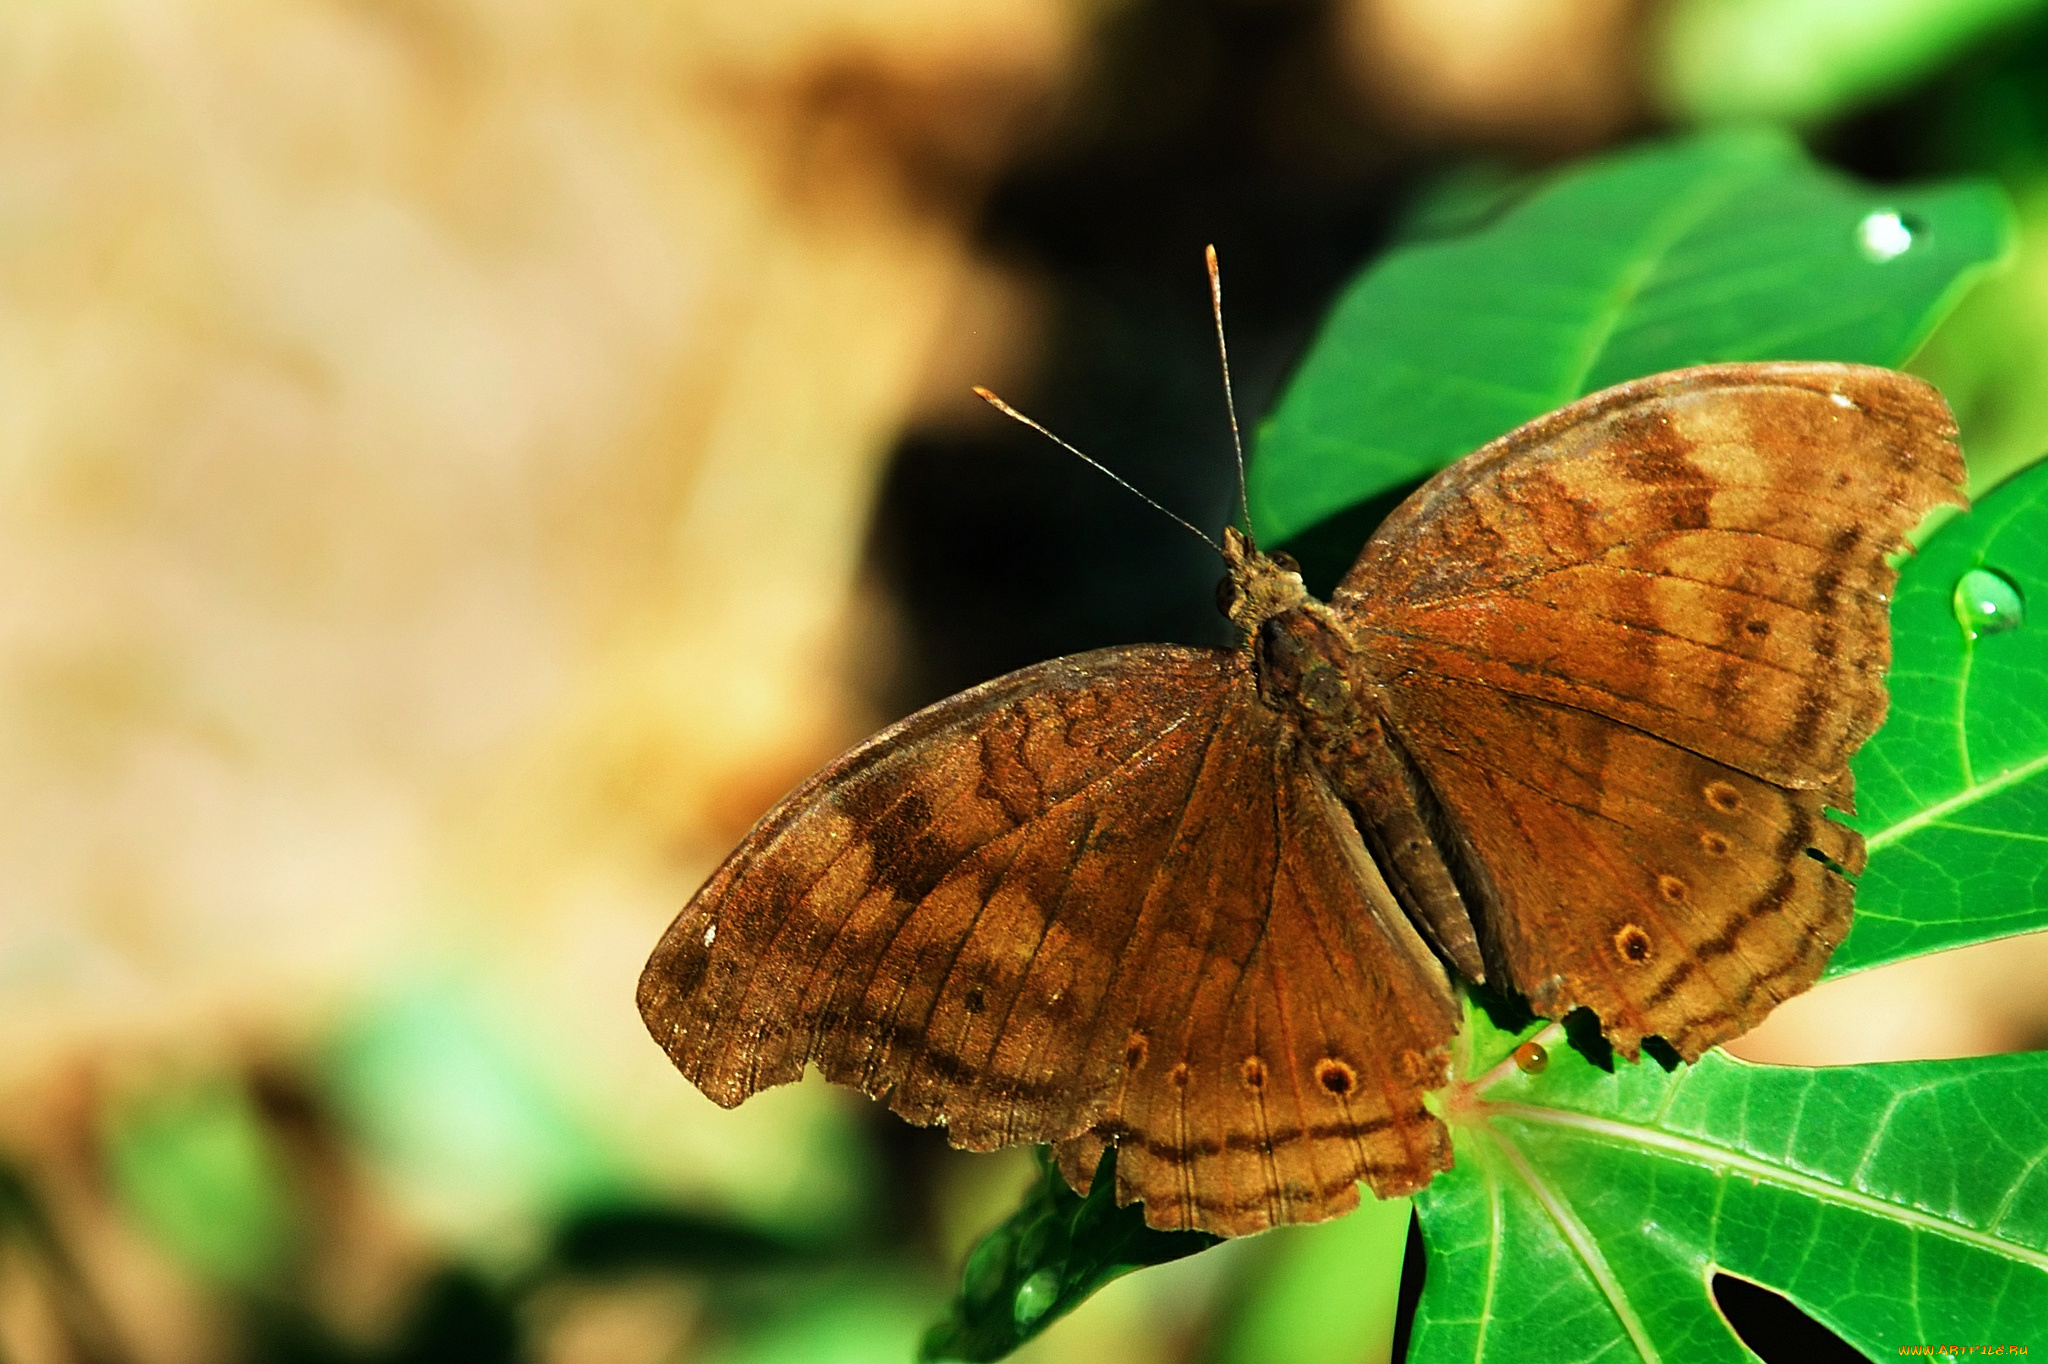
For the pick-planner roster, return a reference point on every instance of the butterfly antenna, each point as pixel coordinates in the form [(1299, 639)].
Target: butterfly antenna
[(1014, 415), (1244, 500)]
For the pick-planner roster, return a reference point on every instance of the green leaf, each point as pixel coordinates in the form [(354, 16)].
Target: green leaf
[(1804, 60), (1902, 1204), (867, 1322), (468, 1135), (1052, 1253), (195, 1167), (1325, 1294), (1732, 246), (1989, 358), (1952, 794)]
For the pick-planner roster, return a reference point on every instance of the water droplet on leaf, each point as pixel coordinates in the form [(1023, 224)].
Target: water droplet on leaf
[(1035, 1296), (1884, 235), (1988, 603), (986, 1268)]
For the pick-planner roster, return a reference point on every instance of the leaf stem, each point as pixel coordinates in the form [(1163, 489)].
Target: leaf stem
[(1583, 1242)]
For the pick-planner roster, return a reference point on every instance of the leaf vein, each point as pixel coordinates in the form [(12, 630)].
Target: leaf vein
[(1751, 1167)]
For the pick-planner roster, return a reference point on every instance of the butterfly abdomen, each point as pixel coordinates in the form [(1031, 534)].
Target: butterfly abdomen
[(1304, 666)]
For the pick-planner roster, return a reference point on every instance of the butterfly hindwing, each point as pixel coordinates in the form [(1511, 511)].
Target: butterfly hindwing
[(1287, 1032), (1670, 894), (1044, 905)]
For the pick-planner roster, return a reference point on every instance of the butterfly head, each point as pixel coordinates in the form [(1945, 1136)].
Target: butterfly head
[(1257, 586)]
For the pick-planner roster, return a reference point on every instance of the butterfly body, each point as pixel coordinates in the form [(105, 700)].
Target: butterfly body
[(1309, 669), (1573, 723)]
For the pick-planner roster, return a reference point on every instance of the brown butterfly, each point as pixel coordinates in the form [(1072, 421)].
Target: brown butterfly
[(1572, 723)]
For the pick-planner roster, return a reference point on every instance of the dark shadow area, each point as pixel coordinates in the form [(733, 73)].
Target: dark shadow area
[(908, 1166), (1663, 1053), (1776, 1330), (1209, 121), (1327, 549), (1987, 113), (1582, 1033), (457, 1317), (625, 1240), (460, 1319), (1506, 1010), (1414, 1269)]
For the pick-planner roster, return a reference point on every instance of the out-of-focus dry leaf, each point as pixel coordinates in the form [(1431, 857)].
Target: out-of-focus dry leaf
[(1546, 75), (437, 444)]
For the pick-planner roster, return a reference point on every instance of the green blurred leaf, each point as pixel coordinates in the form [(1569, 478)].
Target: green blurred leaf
[(1040, 1264), (1952, 794), (1732, 246), (195, 1167), (1902, 1204), (1804, 60), (1990, 357), (868, 1322), (1326, 1294), (474, 1141)]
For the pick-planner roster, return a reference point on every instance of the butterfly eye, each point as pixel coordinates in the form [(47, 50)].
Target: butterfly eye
[(1285, 562), (1226, 595)]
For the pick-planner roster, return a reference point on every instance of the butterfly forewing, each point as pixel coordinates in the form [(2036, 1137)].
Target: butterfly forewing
[(1700, 555), (1105, 893), (1631, 647)]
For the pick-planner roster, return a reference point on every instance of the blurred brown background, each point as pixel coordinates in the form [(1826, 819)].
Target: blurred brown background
[(462, 461)]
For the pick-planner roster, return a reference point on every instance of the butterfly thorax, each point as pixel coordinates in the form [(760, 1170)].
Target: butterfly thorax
[(1309, 670), (1302, 656)]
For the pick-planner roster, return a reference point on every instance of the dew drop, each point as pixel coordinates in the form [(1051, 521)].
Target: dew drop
[(1884, 235), (1988, 603), (1531, 1057), (1035, 1297), (985, 1268)]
